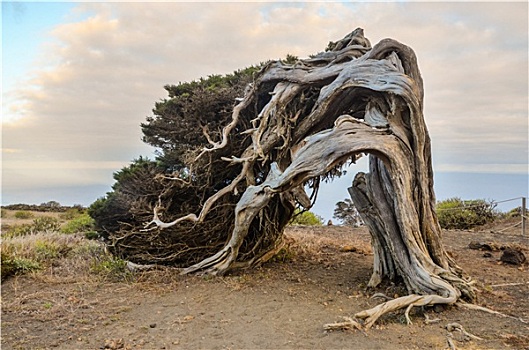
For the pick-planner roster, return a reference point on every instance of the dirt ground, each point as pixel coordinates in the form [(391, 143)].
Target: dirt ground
[(281, 305)]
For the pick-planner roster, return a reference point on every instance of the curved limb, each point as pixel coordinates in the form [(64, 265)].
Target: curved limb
[(252, 201), (320, 153), (205, 208)]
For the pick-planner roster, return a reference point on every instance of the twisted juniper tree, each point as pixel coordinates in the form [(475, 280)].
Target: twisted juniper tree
[(224, 204)]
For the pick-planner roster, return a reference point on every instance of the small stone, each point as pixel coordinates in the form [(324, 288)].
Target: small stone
[(152, 325), (475, 245)]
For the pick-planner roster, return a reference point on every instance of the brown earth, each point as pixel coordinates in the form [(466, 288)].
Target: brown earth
[(284, 304)]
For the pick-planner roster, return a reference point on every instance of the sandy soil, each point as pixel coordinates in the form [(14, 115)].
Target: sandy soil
[(281, 305)]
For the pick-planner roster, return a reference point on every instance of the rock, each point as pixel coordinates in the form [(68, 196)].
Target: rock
[(489, 246), (487, 255), (152, 325), (513, 256), (474, 245), (485, 246)]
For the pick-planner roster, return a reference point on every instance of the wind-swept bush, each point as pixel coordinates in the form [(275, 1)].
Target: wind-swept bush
[(306, 218), (82, 223), (455, 213), (24, 214), (45, 224)]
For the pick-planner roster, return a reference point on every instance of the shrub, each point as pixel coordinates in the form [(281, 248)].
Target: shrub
[(12, 265), (305, 218), (24, 214), (455, 213), (516, 212), (18, 230), (46, 250), (111, 267), (45, 224), (82, 223), (70, 214), (92, 235), (40, 246), (23, 254), (70, 255)]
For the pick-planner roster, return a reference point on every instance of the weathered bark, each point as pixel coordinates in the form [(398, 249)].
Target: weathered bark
[(314, 116)]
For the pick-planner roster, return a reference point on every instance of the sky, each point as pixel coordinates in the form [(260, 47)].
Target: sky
[(79, 78)]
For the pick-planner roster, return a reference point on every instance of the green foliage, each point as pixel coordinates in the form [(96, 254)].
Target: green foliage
[(291, 59), (71, 213), (346, 212), (305, 218), (12, 265), (23, 254), (40, 224), (175, 129), (177, 124), (82, 223), (46, 250), (91, 235), (46, 224), (23, 214), (18, 230), (178, 182), (516, 212), (51, 206), (111, 268), (455, 213), (133, 181)]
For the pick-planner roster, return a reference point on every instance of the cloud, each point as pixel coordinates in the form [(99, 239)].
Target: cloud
[(99, 75)]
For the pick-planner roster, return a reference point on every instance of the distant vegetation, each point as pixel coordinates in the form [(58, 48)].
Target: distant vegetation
[(51, 206), (306, 218), (455, 213), (24, 214), (345, 211)]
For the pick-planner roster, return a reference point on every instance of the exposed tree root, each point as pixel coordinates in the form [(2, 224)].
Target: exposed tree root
[(450, 342), (372, 315), (490, 311), (217, 264), (452, 327), (349, 323), (428, 320), (465, 336)]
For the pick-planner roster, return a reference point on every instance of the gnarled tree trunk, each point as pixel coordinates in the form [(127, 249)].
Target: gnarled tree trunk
[(315, 115)]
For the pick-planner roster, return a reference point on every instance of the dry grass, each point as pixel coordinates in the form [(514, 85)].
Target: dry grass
[(72, 258), (45, 247), (305, 241), (8, 218), (56, 257)]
